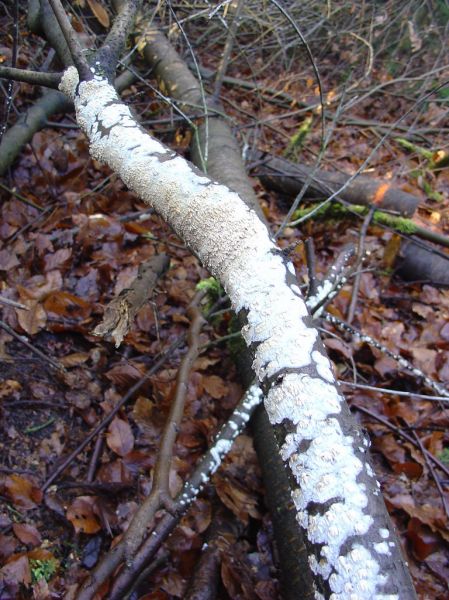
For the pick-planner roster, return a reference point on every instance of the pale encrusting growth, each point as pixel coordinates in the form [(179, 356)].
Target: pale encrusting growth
[(331, 476)]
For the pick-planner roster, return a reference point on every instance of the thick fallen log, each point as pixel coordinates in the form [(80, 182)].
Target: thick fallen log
[(215, 141), (416, 263), (352, 550), (287, 177)]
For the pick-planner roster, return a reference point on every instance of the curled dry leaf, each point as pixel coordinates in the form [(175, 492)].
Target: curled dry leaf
[(23, 493), (241, 502), (33, 319), (125, 374), (120, 437), (215, 386), (82, 514)]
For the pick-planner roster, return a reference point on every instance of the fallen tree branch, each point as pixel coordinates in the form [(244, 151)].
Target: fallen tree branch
[(287, 177), (334, 488), (196, 482), (215, 140), (49, 80)]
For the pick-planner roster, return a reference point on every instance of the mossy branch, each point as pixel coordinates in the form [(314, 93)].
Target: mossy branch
[(400, 224)]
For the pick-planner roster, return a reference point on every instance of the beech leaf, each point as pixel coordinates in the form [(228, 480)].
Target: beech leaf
[(27, 534), (100, 13), (81, 513), (22, 492), (120, 438)]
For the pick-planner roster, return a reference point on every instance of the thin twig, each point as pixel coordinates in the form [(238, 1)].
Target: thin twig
[(311, 267), (196, 482), (71, 39), (392, 392), (94, 459), (358, 276), (20, 197), (55, 364), (105, 422), (434, 476), (10, 87), (160, 490), (222, 68), (13, 303), (402, 434), (108, 55)]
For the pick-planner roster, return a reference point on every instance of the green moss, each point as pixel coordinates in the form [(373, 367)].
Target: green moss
[(399, 223), (212, 287), (336, 210), (213, 290), (43, 569)]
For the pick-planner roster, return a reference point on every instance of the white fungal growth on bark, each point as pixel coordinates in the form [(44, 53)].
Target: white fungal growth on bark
[(236, 247)]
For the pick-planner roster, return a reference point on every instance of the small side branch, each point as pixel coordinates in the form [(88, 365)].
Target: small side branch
[(114, 43), (360, 253), (71, 39), (199, 478), (403, 362), (53, 363), (49, 80)]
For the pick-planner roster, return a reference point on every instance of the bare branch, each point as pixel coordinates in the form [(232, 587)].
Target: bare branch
[(114, 43), (49, 80), (84, 71), (196, 482)]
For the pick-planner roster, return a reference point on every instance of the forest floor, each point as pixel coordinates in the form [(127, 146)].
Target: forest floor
[(82, 245)]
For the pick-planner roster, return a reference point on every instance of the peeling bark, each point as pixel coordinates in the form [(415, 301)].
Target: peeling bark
[(119, 314), (351, 550)]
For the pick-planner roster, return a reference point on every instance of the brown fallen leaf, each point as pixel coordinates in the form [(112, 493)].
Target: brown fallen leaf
[(17, 570), (8, 544), (215, 386), (67, 305), (81, 513), (100, 13), (57, 260), (75, 359), (33, 319), (243, 503), (120, 437), (27, 534), (23, 493)]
